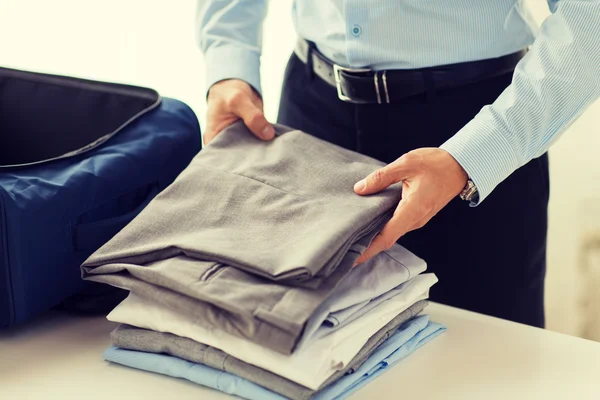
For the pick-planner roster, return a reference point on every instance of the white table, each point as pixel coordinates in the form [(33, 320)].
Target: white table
[(60, 357)]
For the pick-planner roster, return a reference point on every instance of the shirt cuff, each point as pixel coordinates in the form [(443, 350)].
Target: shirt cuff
[(232, 62), (484, 152)]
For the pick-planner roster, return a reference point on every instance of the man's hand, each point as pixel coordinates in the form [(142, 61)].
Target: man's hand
[(430, 177), (234, 99)]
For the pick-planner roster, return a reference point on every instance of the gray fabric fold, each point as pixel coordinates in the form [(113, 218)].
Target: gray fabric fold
[(131, 338), (296, 189), (281, 216)]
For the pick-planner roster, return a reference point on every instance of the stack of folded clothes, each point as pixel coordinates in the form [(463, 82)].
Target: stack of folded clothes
[(241, 273)]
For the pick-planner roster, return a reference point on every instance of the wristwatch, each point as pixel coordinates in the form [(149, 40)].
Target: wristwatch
[(469, 193)]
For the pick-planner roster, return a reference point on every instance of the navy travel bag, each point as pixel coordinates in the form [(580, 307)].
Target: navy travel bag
[(79, 159)]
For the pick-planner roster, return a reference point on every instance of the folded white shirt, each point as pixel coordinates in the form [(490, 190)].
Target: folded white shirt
[(339, 319), (310, 366)]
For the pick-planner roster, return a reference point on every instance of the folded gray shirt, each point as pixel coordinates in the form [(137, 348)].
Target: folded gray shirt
[(132, 338), (276, 222)]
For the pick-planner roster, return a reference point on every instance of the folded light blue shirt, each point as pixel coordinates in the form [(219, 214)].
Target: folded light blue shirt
[(343, 317), (404, 342), (409, 337), (362, 289)]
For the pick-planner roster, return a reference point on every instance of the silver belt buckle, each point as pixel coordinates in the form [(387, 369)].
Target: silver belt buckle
[(338, 79), (337, 69)]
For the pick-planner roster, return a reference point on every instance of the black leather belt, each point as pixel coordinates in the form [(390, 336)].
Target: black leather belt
[(363, 85)]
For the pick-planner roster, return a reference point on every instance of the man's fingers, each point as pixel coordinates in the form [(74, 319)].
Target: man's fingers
[(207, 137), (214, 125), (253, 117), (230, 100), (407, 217), (259, 125), (382, 178), (377, 245)]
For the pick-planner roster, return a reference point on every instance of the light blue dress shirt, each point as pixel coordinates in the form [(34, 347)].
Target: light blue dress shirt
[(409, 337), (390, 274), (552, 85)]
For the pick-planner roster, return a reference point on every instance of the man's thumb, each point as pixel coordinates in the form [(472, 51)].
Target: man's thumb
[(376, 181), (255, 120)]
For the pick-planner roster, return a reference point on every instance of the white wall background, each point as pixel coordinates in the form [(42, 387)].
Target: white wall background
[(152, 43)]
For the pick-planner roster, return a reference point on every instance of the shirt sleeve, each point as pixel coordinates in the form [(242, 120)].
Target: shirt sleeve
[(552, 85), (230, 37)]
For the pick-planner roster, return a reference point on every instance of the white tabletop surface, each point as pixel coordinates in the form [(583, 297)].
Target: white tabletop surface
[(60, 357)]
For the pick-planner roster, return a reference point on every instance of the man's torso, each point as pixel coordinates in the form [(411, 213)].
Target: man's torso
[(406, 34)]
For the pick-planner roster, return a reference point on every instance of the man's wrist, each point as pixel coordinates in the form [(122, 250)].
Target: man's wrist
[(232, 62), (224, 82), (484, 153)]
